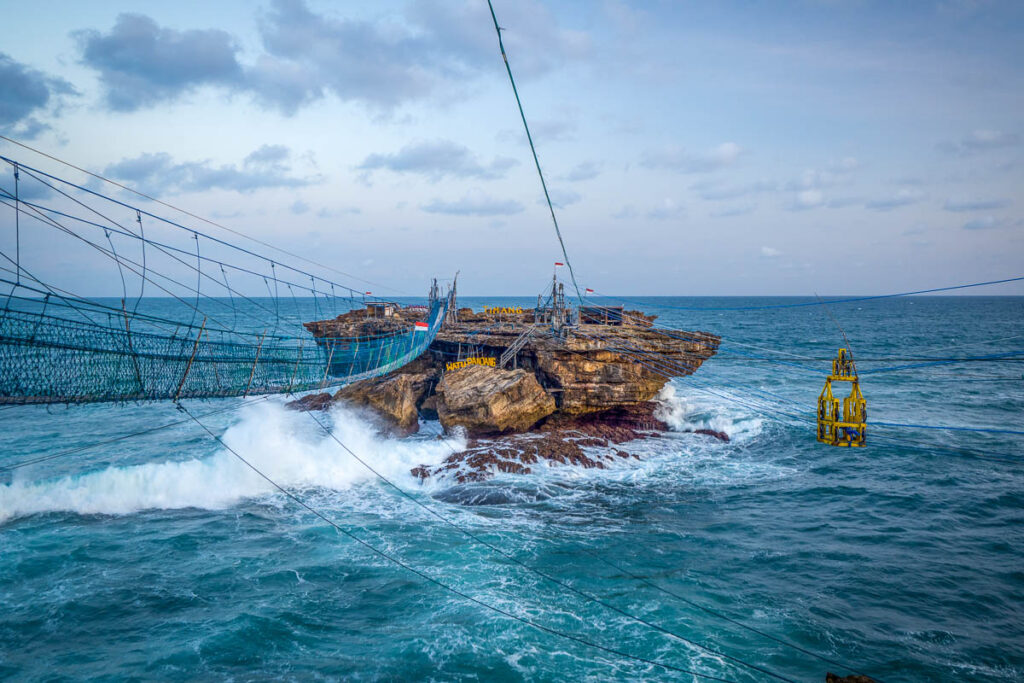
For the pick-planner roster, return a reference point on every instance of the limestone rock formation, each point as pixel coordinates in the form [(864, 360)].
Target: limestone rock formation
[(394, 397), (486, 400), (586, 385)]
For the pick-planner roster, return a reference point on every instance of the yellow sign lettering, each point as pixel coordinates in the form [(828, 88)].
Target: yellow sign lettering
[(456, 364)]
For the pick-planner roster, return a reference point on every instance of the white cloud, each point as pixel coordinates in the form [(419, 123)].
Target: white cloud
[(683, 161), (667, 210), (979, 141), (770, 252), (808, 199), (975, 204), (983, 223), (902, 197)]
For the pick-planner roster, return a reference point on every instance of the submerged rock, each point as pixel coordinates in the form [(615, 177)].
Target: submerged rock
[(517, 454), (853, 678), (486, 400), (311, 402), (721, 436)]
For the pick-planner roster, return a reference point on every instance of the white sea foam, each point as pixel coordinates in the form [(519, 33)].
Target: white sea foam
[(288, 446), (705, 410)]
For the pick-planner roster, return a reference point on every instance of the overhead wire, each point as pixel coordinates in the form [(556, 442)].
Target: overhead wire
[(844, 300), (533, 149)]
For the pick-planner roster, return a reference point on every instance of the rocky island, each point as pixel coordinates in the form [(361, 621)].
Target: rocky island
[(525, 386)]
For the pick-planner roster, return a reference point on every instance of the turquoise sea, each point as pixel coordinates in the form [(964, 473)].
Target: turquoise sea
[(163, 557)]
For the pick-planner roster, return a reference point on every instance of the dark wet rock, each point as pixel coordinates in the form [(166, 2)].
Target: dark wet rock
[(616, 425), (518, 454), (853, 678), (311, 402), (721, 436), (486, 400), (428, 409)]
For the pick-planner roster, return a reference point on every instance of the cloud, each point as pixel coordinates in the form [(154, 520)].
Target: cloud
[(717, 192), (626, 212), (807, 199), (299, 207), (141, 64), (980, 141), (440, 45), (474, 204), (266, 167), (308, 55), (770, 252), (983, 223), (542, 131), (586, 170), (436, 160), (462, 31), (561, 198), (335, 213), (667, 210), (961, 205), (25, 91), (902, 197), (682, 161), (844, 202), (734, 211)]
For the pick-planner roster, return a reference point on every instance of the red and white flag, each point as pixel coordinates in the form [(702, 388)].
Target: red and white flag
[(420, 327), (367, 293), (559, 263), (589, 290)]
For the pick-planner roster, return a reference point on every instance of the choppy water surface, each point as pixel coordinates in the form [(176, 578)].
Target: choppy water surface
[(163, 556)]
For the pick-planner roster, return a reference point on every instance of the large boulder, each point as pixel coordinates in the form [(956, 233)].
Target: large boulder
[(395, 398), (486, 400)]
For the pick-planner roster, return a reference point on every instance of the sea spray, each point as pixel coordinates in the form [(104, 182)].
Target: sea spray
[(686, 409), (288, 446)]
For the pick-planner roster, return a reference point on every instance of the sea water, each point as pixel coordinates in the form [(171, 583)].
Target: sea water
[(164, 556)]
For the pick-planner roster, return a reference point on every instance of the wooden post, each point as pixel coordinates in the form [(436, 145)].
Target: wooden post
[(131, 348), (327, 368), (195, 348), (295, 370), (255, 360)]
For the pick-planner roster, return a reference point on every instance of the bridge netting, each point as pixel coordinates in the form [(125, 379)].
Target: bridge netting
[(198, 316)]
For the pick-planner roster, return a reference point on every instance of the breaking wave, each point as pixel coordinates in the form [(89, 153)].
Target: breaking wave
[(688, 412), (289, 447)]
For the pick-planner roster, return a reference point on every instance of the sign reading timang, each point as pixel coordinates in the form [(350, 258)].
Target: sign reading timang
[(503, 310), (476, 360)]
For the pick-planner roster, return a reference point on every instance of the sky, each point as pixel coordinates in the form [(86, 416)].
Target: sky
[(711, 148)]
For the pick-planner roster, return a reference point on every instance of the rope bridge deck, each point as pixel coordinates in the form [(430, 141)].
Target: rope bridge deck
[(46, 358)]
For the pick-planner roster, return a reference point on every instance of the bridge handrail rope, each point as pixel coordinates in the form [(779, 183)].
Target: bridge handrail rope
[(195, 216), (172, 223), (162, 247)]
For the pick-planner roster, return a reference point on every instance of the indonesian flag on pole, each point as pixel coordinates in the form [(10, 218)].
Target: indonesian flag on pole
[(589, 290), (367, 293), (559, 263), (420, 327)]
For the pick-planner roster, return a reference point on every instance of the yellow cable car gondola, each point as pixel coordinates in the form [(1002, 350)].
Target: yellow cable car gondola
[(849, 427)]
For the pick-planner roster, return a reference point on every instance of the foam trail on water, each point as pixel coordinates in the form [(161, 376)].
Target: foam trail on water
[(287, 445)]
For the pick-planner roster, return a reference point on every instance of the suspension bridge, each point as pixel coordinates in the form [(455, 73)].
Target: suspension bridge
[(205, 335)]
